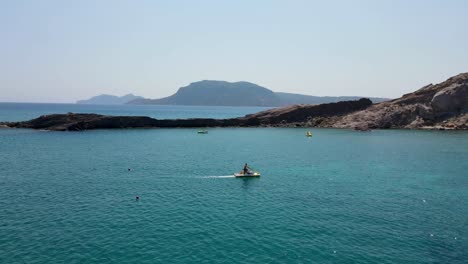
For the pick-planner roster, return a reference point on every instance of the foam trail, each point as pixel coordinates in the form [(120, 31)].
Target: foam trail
[(222, 176)]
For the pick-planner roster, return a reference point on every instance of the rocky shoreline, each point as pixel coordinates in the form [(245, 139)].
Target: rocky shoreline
[(280, 117), (443, 106)]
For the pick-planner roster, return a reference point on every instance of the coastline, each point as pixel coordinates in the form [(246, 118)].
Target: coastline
[(293, 116)]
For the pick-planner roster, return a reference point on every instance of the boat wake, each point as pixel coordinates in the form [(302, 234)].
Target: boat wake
[(214, 177)]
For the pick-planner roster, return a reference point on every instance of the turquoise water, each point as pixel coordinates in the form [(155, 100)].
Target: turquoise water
[(339, 197)]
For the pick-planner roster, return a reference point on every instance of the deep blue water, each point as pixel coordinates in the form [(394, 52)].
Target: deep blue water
[(27, 111), (387, 196)]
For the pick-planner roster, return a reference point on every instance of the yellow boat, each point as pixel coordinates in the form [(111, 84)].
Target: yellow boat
[(309, 134)]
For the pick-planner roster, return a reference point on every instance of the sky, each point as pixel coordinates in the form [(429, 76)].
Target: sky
[(63, 51)]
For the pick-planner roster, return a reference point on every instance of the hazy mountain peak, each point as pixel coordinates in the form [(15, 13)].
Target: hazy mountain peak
[(108, 99), (241, 93)]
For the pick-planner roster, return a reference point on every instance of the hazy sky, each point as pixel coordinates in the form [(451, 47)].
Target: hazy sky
[(62, 51)]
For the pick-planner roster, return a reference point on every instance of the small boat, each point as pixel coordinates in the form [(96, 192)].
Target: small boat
[(309, 134), (202, 132), (246, 175)]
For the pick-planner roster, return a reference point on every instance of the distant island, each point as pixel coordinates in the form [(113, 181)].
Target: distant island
[(218, 93), (106, 99), (439, 106), (222, 93)]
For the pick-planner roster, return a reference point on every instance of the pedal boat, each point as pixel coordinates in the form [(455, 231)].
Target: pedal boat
[(247, 175)]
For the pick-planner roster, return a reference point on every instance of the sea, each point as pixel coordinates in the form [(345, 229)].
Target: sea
[(340, 196)]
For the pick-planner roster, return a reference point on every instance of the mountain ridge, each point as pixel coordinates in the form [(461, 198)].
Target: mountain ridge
[(107, 99), (241, 93)]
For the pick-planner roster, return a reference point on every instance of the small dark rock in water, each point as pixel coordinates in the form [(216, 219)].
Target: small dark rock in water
[(129, 169), (137, 198)]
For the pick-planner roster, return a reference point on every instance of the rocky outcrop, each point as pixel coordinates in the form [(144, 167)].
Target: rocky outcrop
[(307, 115), (440, 106), (452, 100), (288, 116), (79, 122)]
